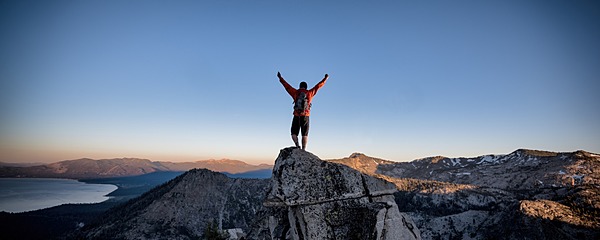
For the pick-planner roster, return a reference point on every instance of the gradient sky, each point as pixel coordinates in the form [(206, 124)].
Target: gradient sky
[(192, 80)]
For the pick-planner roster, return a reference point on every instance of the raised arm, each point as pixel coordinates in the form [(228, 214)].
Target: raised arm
[(291, 90), (319, 85)]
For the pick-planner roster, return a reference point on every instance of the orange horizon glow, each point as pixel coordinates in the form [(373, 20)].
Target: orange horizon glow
[(52, 156)]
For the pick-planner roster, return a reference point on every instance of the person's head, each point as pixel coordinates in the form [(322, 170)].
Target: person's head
[(303, 85)]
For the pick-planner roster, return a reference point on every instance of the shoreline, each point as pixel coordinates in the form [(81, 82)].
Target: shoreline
[(21, 195)]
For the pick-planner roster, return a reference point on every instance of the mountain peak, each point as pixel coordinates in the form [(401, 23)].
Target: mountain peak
[(535, 153), (361, 162), (182, 208), (222, 161), (314, 199), (357, 154)]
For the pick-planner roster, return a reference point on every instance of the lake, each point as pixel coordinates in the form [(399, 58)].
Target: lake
[(28, 194)]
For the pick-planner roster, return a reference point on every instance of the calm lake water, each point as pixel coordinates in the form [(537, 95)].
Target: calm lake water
[(27, 194)]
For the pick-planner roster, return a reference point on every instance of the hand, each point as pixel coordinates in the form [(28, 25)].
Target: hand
[(278, 75), (326, 75)]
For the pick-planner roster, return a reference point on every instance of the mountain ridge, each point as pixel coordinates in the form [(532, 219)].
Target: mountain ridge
[(25, 164), (182, 208), (526, 151), (524, 194), (85, 168), (544, 169)]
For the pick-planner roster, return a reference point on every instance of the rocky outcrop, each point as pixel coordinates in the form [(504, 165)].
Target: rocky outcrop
[(313, 199)]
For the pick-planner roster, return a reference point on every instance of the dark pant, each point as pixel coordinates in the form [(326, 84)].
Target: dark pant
[(300, 122)]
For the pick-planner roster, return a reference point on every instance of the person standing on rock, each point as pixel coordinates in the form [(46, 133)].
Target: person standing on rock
[(302, 102)]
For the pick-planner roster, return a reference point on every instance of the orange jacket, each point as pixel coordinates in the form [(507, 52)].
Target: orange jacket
[(309, 94)]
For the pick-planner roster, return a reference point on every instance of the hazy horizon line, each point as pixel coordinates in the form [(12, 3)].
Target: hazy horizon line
[(259, 162)]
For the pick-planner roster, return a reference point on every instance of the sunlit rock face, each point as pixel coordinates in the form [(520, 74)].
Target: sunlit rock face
[(526, 194), (314, 199)]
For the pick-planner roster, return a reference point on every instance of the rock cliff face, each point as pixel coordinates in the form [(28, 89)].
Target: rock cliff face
[(313, 199)]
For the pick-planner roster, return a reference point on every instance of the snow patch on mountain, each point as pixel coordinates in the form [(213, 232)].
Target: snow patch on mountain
[(488, 159)]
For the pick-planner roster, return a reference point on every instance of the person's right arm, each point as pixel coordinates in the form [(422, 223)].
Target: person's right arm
[(291, 90)]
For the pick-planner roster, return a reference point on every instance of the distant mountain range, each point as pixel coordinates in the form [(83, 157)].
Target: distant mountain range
[(10, 164), (526, 194), (119, 167), (521, 169)]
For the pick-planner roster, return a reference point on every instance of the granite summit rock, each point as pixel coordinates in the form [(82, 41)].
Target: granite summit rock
[(314, 199)]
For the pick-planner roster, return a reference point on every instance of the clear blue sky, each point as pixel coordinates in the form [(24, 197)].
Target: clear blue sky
[(192, 80)]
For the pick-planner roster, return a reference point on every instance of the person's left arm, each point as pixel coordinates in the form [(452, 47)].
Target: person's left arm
[(319, 85)]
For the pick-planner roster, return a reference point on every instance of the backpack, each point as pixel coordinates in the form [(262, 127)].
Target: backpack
[(301, 103)]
